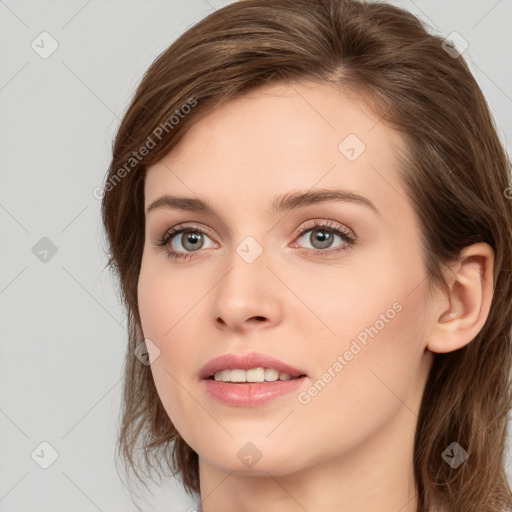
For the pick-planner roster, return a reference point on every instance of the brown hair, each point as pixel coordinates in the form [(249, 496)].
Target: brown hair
[(456, 174)]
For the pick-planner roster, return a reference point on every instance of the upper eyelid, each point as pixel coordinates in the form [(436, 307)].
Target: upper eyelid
[(183, 226)]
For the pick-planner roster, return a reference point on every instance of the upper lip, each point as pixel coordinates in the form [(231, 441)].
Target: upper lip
[(246, 362)]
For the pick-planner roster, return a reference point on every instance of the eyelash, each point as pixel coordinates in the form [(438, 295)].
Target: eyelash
[(348, 239)]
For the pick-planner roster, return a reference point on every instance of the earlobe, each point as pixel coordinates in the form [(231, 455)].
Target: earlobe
[(459, 316)]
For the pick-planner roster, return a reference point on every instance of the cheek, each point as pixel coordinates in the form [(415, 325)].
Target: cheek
[(163, 297), (166, 306), (381, 301), (373, 352), (366, 306), (150, 301), (157, 323), (385, 340), (372, 381), (163, 313)]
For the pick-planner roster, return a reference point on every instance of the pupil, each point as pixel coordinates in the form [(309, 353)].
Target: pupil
[(193, 239), (322, 236)]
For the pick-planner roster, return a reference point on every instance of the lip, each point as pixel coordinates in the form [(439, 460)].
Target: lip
[(246, 362), (249, 394)]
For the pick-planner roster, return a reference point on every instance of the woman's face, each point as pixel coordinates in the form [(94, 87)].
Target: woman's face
[(286, 282)]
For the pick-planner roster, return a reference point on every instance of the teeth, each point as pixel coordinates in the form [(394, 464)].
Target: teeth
[(271, 374), (252, 375)]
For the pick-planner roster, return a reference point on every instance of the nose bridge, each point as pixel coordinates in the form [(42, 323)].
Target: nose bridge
[(247, 274), (247, 290)]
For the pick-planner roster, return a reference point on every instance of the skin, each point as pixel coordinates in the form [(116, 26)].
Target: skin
[(350, 447)]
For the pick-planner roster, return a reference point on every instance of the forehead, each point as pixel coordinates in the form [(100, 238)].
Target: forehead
[(279, 138), (284, 116)]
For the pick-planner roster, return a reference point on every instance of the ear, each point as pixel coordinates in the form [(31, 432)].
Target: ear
[(460, 315)]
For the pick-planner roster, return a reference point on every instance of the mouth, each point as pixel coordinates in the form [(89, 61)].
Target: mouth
[(249, 368), (252, 387)]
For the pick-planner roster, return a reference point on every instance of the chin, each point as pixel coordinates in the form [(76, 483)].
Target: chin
[(247, 459)]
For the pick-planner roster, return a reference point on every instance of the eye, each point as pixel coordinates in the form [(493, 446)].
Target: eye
[(189, 237), (192, 239), (322, 236)]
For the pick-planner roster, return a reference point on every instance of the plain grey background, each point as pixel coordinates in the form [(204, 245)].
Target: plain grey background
[(62, 327)]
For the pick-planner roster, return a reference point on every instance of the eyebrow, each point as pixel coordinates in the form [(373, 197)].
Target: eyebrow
[(282, 203)]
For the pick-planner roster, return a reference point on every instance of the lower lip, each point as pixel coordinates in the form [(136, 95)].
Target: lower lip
[(251, 394)]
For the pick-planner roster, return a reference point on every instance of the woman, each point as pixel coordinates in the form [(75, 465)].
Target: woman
[(308, 210)]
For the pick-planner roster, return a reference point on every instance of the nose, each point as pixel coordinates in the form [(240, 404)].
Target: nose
[(247, 297)]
